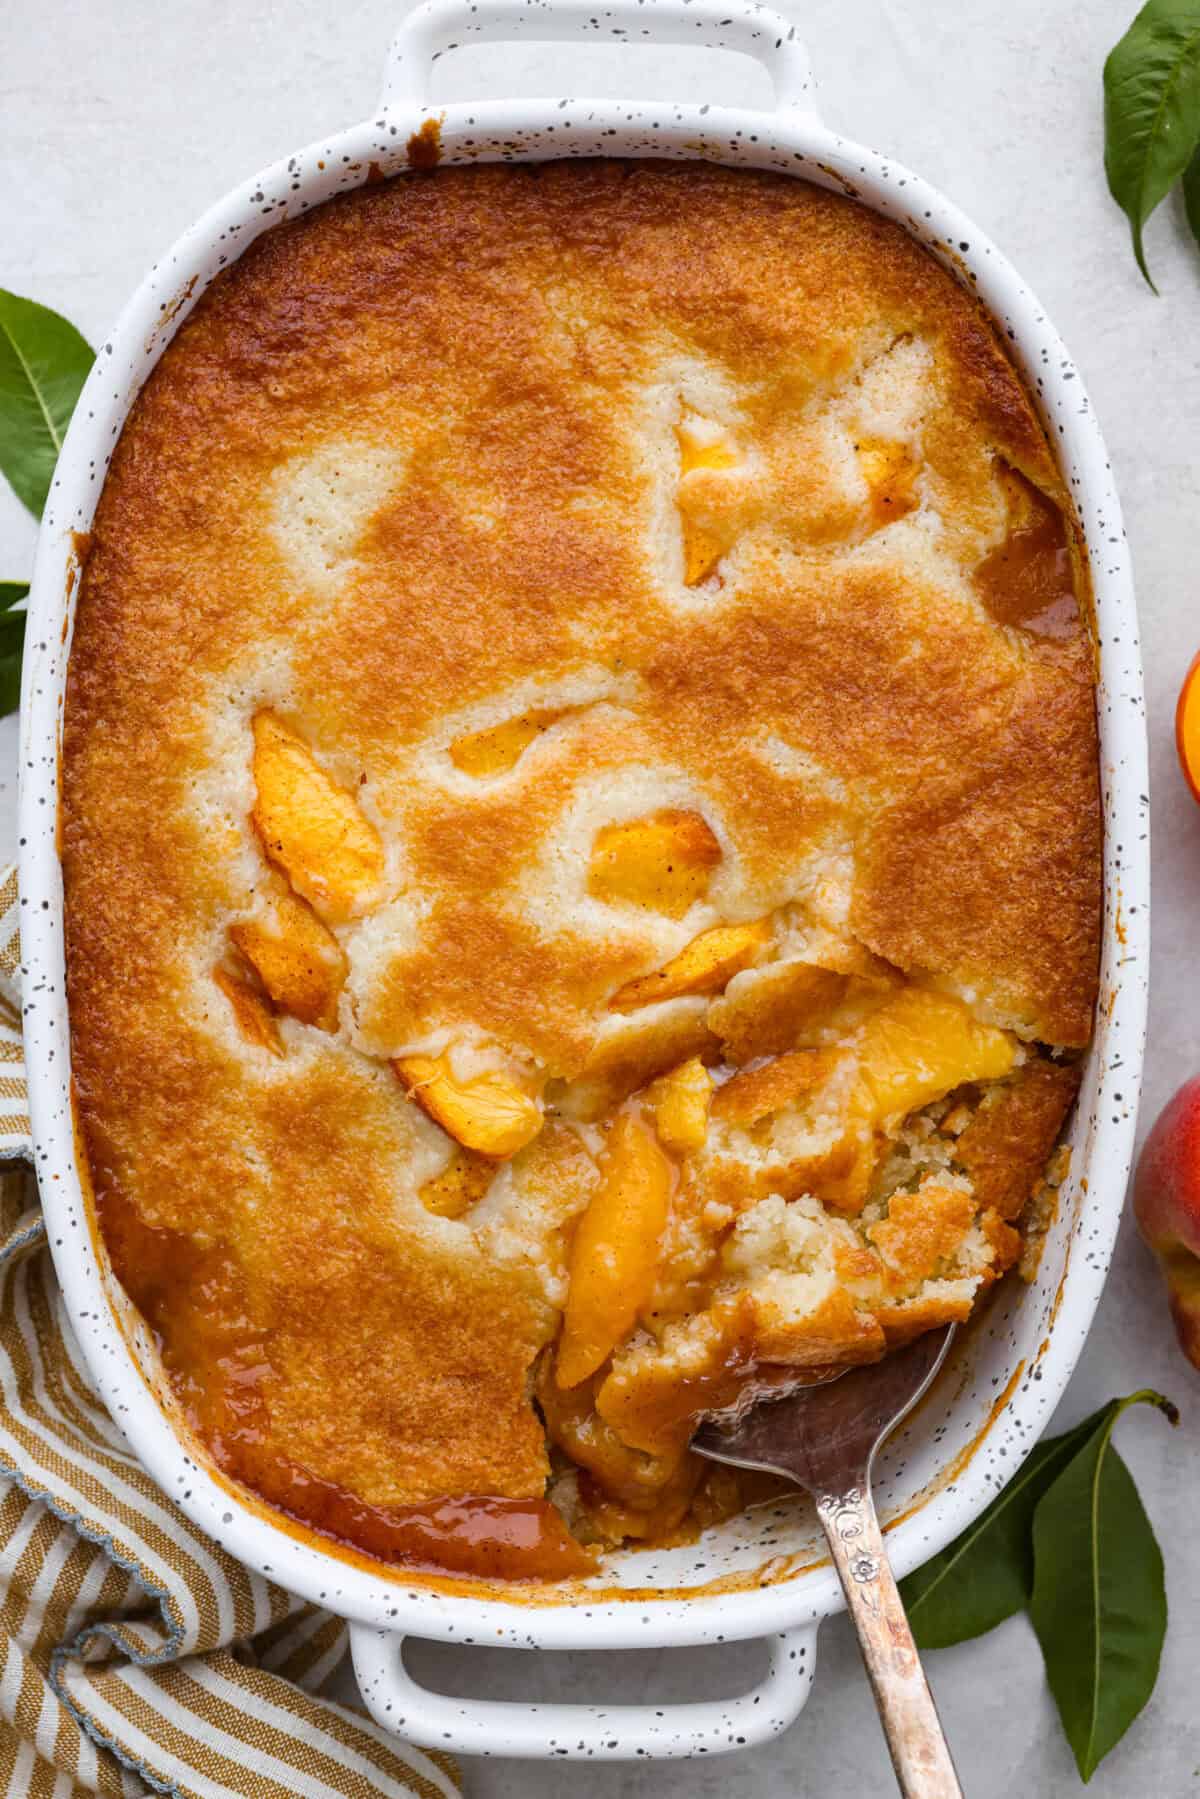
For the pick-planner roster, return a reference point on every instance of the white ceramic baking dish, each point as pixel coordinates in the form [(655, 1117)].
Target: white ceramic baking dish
[(760, 1575)]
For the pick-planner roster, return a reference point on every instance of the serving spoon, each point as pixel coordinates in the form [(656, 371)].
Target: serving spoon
[(824, 1437)]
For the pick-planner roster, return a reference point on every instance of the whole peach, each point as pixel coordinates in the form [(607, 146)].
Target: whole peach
[(1187, 728), (1166, 1200)]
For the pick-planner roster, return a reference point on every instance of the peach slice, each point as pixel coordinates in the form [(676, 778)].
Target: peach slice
[(890, 474), (614, 1254), (1187, 728), (703, 548), (298, 961), (462, 1182), (255, 1019), (574, 1425), (702, 444), (662, 862), (488, 1112), (707, 965), (500, 747), (1027, 581), (680, 1102), (919, 1046), (706, 535), (311, 828)]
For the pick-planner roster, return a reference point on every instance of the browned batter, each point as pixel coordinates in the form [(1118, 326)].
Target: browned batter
[(633, 551)]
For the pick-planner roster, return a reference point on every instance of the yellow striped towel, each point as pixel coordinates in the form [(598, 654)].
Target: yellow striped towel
[(136, 1656)]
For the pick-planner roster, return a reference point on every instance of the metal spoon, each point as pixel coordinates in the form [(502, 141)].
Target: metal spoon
[(824, 1437)]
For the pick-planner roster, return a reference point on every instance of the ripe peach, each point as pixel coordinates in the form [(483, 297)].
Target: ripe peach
[(1167, 1204), (1187, 728)]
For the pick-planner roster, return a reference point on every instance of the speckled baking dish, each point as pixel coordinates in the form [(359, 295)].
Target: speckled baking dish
[(760, 1575)]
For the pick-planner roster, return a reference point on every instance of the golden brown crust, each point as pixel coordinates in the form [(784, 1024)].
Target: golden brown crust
[(979, 841), (492, 346), (1005, 1148)]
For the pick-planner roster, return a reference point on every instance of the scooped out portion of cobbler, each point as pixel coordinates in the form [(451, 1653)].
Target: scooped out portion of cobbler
[(581, 838)]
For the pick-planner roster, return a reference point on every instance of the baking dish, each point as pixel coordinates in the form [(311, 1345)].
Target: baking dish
[(760, 1575)]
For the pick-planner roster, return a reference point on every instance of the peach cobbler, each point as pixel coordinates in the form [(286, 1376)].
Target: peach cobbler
[(581, 839)]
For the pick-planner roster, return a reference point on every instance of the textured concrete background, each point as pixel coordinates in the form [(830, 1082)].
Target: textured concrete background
[(121, 119)]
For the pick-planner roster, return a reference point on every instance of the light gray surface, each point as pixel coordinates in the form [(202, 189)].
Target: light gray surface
[(122, 119)]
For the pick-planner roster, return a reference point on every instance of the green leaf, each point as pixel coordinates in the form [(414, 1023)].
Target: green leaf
[(10, 683), (1099, 1603), (1152, 109), (12, 644), (43, 364), (986, 1575), (1191, 194)]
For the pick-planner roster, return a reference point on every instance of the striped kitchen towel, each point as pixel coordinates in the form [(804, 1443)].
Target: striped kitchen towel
[(136, 1656)]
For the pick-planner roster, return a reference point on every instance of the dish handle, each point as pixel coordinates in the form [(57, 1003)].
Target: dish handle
[(438, 26), (574, 1732)]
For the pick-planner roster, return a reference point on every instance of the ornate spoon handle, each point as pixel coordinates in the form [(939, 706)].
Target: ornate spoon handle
[(920, 1754)]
